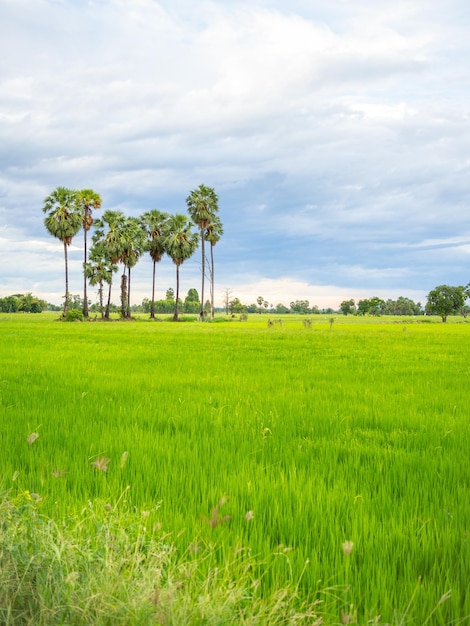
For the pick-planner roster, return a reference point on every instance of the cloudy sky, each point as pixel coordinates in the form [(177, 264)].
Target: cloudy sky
[(336, 135)]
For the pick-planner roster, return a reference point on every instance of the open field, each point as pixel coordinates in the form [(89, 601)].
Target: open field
[(307, 438)]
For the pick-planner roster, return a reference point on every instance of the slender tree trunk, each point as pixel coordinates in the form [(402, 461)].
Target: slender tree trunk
[(152, 304), (212, 282), (128, 292), (123, 294), (100, 292), (203, 270), (66, 303), (85, 295), (108, 304), (175, 316)]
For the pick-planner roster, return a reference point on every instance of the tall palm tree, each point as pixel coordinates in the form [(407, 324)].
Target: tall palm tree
[(88, 200), (155, 223), (63, 221), (202, 206), (214, 232), (134, 244), (180, 244)]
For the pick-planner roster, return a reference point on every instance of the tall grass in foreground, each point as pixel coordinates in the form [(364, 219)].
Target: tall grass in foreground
[(333, 459)]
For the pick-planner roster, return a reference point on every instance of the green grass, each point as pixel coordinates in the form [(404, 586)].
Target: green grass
[(320, 435)]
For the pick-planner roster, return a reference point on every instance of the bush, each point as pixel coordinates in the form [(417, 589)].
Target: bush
[(74, 315)]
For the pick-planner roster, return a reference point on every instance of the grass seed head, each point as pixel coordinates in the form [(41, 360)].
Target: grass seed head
[(101, 463), (32, 438)]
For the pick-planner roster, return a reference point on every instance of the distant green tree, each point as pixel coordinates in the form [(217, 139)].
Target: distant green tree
[(376, 305), (63, 220), (191, 302), (235, 306), (445, 300), (281, 309), (170, 294), (300, 306), (347, 307), (371, 306), (9, 304)]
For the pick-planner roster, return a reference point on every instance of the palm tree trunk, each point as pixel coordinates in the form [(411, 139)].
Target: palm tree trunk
[(212, 282), (175, 316), (123, 294), (203, 269), (128, 292), (100, 291), (85, 295), (66, 303), (152, 305), (108, 304)]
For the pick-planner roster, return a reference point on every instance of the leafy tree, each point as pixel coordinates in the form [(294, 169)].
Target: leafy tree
[(170, 294), (63, 221), (180, 244), (401, 306), (347, 307), (202, 206), (191, 302), (372, 306), (363, 307), (235, 306), (281, 309), (155, 222), (376, 305), (300, 306), (445, 300), (30, 304), (9, 304), (214, 232), (260, 301), (88, 200)]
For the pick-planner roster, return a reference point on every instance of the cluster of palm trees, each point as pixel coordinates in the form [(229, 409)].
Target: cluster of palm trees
[(119, 240)]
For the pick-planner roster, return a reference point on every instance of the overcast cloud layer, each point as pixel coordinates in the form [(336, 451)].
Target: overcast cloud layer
[(336, 135)]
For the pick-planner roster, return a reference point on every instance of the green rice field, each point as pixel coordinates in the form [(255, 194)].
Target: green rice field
[(331, 460)]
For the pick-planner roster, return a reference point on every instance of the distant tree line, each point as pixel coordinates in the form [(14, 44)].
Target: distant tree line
[(444, 300), (119, 241), (26, 303)]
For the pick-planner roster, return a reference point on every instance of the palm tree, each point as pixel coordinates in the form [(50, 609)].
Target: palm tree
[(155, 223), (109, 233), (87, 200), (63, 221), (202, 206), (99, 270), (214, 232), (133, 246), (180, 244)]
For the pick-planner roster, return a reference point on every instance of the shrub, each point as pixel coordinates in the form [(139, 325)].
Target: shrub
[(74, 315)]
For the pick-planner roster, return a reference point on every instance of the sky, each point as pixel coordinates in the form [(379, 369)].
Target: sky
[(335, 134)]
